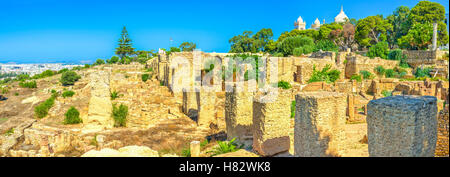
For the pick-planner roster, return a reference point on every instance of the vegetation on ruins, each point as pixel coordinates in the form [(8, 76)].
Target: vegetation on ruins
[(114, 95), (398, 55), (422, 72), (68, 93), (186, 152), (31, 84), (5, 90), (9, 132), (42, 109), (225, 147), (113, 60), (356, 77), (386, 93), (188, 46), (145, 77), (120, 115), (284, 85), (327, 75), (125, 46), (379, 70), (72, 116), (366, 74), (293, 109), (288, 45), (69, 78), (326, 45)]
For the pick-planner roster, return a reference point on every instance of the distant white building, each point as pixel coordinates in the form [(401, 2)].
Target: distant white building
[(341, 17), (300, 24)]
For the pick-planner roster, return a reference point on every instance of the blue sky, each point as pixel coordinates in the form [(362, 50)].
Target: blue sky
[(84, 30)]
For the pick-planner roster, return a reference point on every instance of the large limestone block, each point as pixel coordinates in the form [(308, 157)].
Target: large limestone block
[(271, 118), (190, 105), (239, 114), (206, 107), (128, 151), (402, 126), (319, 124)]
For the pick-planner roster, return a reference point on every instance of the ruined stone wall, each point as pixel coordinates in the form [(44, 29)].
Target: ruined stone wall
[(319, 122), (206, 108), (423, 88), (378, 85), (418, 57), (271, 119), (357, 63), (305, 66), (239, 115), (402, 126), (442, 138)]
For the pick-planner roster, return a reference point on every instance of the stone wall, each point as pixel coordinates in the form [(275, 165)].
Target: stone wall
[(418, 57), (357, 63), (303, 67), (402, 126), (442, 138), (206, 108), (271, 119), (319, 123), (239, 115)]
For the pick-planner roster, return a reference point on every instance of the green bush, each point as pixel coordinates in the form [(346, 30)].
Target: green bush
[(23, 77), (186, 152), (99, 62), (326, 45), (114, 95), (422, 72), (69, 78), (390, 73), (31, 84), (386, 93), (284, 85), (5, 90), (366, 74), (307, 49), (398, 55), (113, 60), (225, 147), (356, 77), (325, 74), (63, 70), (298, 51), (72, 116), (279, 54), (293, 109), (145, 77), (16, 94), (288, 45), (68, 93), (381, 49), (120, 115), (42, 109), (380, 70)]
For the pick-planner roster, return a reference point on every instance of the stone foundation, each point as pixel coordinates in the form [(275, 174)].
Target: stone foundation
[(238, 115), (442, 140), (402, 126), (319, 124)]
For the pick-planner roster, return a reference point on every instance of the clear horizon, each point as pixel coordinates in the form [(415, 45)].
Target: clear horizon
[(83, 31)]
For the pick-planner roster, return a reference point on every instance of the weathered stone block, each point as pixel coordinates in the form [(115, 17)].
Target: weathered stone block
[(271, 117), (206, 107), (190, 104), (239, 115), (402, 126), (319, 124)]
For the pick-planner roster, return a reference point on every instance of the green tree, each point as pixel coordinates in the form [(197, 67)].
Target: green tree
[(418, 37), (400, 24), (426, 12), (242, 43), (325, 30), (69, 78), (262, 38), (380, 49), (188, 46), (99, 62), (72, 116), (125, 46), (372, 30), (288, 45)]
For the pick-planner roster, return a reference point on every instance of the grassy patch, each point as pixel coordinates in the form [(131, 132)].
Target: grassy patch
[(42, 109), (114, 95), (72, 116), (31, 84), (293, 109), (225, 147), (68, 93), (120, 115)]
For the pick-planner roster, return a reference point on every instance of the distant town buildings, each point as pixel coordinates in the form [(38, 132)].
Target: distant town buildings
[(32, 69), (340, 18)]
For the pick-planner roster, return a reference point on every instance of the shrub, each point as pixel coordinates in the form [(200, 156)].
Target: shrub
[(293, 109), (16, 94), (31, 84), (69, 78), (390, 73), (23, 77), (99, 62), (9, 132), (72, 116), (366, 74), (356, 77), (288, 45), (5, 90), (422, 72), (42, 109), (186, 152), (68, 93), (47, 73), (386, 93), (298, 51), (225, 147), (63, 70), (398, 55), (114, 95), (307, 49), (324, 75), (145, 77), (381, 49), (279, 54), (120, 115), (326, 45), (380, 70), (114, 59), (284, 85)]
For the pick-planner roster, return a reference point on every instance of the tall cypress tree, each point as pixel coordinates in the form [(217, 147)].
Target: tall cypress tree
[(125, 46)]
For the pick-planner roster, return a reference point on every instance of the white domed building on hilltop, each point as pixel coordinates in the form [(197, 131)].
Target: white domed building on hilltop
[(316, 24), (300, 24), (341, 17)]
